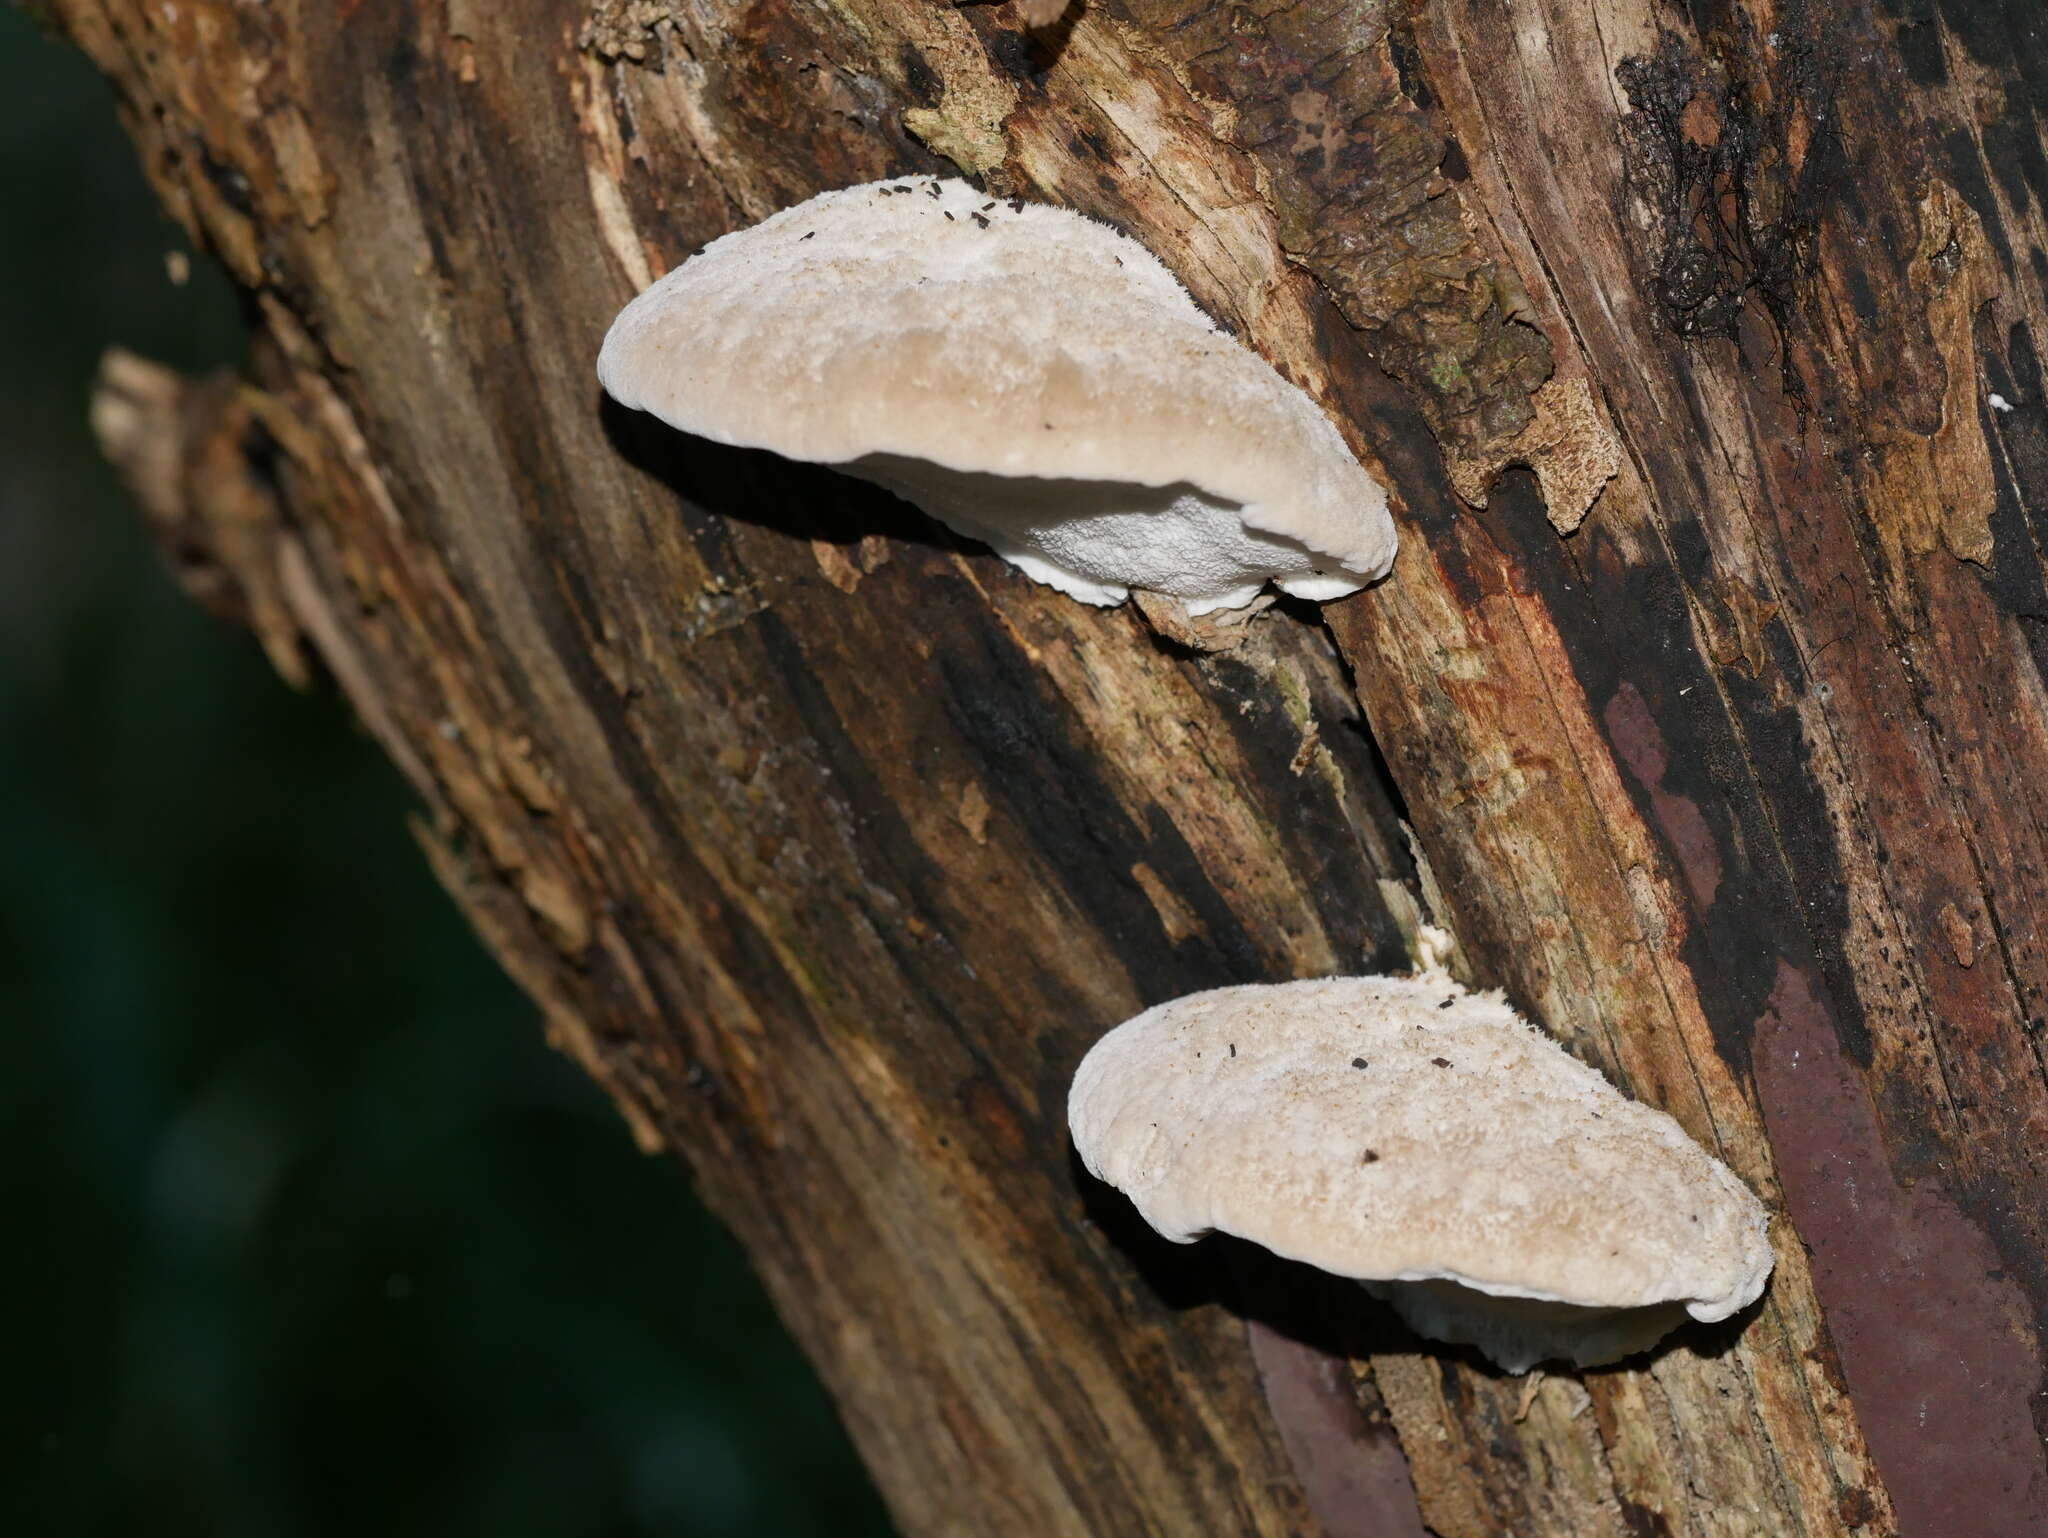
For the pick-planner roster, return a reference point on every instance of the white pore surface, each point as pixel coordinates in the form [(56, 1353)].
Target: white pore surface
[(1469, 1149), (1517, 1333), (1030, 377)]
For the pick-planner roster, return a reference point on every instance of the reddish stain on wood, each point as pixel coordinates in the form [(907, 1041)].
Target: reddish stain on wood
[(1933, 1337), (1641, 747), (1355, 1480)]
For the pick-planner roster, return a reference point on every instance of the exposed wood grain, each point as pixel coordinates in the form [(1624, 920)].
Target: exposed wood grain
[(828, 843)]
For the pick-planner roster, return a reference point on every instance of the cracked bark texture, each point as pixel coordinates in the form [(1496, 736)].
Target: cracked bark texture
[(828, 843)]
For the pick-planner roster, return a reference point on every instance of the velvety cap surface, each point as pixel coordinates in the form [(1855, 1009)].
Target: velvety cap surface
[(921, 320), (1403, 1129)]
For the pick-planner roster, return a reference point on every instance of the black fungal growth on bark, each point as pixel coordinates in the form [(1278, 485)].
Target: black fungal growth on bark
[(1737, 172)]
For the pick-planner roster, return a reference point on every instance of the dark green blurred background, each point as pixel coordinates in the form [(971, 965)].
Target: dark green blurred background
[(306, 1232)]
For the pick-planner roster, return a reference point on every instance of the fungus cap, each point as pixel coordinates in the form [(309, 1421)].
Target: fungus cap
[(1026, 375), (1432, 1143)]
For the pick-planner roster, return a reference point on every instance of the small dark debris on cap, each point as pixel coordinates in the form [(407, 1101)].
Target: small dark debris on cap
[(981, 220), (947, 212), (1358, 1062), (809, 234), (1016, 205), (1441, 1062), (1370, 1156), (1447, 1003), (1233, 1049)]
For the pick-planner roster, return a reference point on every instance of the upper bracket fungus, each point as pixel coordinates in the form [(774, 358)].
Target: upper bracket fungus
[(1428, 1142), (1030, 377)]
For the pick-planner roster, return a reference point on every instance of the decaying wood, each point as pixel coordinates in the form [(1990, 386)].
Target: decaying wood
[(828, 843)]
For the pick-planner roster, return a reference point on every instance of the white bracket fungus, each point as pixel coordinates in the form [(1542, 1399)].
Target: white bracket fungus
[(1030, 377), (1428, 1142)]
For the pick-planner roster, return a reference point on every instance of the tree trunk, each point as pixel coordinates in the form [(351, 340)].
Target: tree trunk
[(1700, 345)]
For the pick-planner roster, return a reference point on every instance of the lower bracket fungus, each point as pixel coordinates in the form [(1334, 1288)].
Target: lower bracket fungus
[(1030, 377), (1428, 1142)]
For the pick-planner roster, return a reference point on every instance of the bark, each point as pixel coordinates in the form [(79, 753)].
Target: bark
[(1700, 345)]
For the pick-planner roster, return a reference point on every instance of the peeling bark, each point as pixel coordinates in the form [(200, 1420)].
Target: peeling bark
[(827, 843)]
